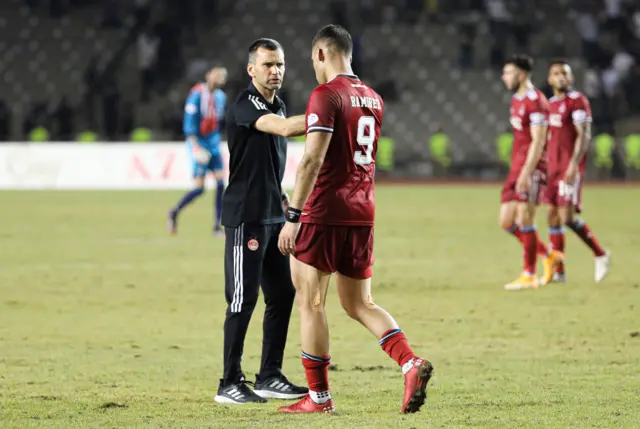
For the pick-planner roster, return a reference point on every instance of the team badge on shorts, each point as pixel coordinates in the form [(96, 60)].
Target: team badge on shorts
[(253, 244)]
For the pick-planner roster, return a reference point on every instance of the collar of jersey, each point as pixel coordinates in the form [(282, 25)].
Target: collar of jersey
[(562, 97), (530, 88), (352, 76)]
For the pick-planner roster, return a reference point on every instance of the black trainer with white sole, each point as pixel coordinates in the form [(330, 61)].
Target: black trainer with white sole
[(239, 393), (278, 387)]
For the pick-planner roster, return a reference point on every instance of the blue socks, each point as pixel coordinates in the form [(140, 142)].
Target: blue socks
[(188, 198), (219, 194), (195, 193)]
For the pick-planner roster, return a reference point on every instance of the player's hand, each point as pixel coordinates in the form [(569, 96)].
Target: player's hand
[(287, 238), (285, 204), (571, 173), (202, 156), (523, 185)]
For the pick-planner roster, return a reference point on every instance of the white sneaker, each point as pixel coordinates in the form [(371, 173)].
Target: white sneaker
[(602, 266)]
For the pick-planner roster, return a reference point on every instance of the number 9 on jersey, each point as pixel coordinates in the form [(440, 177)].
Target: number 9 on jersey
[(366, 137)]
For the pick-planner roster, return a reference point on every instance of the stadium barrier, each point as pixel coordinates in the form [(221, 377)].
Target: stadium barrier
[(109, 166)]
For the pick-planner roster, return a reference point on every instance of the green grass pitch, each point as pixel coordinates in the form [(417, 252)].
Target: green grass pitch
[(106, 322)]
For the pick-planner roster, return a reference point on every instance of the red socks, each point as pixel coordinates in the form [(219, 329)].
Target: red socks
[(316, 368), (529, 238), (556, 237), (395, 344), (541, 249), (583, 231), (515, 230)]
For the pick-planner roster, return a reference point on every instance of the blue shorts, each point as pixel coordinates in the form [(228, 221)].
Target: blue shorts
[(200, 170), (214, 164)]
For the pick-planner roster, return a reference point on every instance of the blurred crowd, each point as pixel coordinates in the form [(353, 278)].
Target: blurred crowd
[(609, 32), (610, 36), (157, 30), (160, 31)]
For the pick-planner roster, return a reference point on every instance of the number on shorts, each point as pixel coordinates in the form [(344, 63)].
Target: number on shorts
[(564, 189), (366, 137)]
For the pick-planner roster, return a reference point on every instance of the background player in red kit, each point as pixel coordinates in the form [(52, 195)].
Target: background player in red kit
[(522, 189), (569, 135), (334, 185)]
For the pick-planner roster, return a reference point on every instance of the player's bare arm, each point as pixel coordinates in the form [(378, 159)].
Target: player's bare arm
[(580, 148), (314, 152), (285, 127), (538, 140)]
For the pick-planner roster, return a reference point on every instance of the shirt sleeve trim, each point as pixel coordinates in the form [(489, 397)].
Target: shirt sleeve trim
[(316, 128)]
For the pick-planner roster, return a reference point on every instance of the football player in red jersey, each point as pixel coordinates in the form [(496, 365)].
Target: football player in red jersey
[(569, 135), (527, 177), (330, 221)]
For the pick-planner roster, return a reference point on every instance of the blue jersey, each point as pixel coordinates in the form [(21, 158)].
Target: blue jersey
[(203, 115)]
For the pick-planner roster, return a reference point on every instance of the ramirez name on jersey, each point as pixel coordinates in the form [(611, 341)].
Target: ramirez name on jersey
[(344, 191)]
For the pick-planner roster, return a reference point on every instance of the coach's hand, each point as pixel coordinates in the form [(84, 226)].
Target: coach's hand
[(287, 238), (523, 185), (571, 173)]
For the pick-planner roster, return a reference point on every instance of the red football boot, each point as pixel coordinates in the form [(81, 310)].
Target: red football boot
[(415, 385), (306, 405)]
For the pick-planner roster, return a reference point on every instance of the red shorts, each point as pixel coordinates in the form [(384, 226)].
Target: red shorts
[(559, 194), (330, 248), (538, 183)]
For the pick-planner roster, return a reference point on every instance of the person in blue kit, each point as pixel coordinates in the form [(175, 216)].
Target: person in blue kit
[(203, 117)]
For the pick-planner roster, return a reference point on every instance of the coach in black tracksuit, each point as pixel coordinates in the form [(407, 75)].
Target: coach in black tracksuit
[(253, 214)]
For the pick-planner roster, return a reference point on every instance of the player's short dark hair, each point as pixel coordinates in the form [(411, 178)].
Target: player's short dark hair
[(336, 37), (523, 62), (268, 44), (558, 62)]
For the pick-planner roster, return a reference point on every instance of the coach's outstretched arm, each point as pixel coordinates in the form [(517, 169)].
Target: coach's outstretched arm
[(538, 140), (315, 149), (285, 127)]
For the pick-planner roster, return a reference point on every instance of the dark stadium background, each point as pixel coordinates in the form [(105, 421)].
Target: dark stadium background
[(71, 66)]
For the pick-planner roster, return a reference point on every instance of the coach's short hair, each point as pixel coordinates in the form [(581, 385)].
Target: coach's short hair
[(558, 62), (335, 37), (523, 62), (268, 44)]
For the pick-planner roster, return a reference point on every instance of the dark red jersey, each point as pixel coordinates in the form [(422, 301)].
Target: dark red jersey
[(528, 110), (344, 191), (564, 114)]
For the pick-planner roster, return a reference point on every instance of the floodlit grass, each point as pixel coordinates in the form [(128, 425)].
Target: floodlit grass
[(106, 322)]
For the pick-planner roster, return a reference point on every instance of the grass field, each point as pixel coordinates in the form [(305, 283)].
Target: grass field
[(106, 322)]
